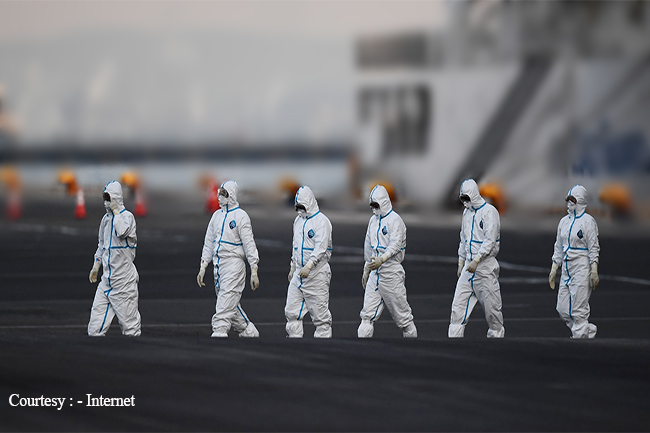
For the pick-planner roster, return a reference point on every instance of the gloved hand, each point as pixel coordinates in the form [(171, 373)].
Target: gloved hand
[(551, 276), (593, 275), (366, 275), (94, 271), (115, 208), (199, 277), (473, 264), (292, 271), (255, 281), (461, 265), (304, 272), (376, 262)]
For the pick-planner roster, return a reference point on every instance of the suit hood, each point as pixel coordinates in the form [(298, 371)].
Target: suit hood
[(232, 188), (306, 197), (380, 195), (114, 189), (580, 193), (470, 188)]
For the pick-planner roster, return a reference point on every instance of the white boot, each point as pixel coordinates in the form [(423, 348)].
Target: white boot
[(250, 331), (592, 330), (294, 329), (499, 333), (219, 333), (323, 331), (410, 331), (456, 331)]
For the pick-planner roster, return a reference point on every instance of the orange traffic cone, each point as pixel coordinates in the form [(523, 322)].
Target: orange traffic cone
[(212, 203), (80, 210), (140, 208), (13, 209)]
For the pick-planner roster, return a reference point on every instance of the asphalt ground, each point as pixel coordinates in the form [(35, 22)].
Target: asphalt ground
[(536, 379)]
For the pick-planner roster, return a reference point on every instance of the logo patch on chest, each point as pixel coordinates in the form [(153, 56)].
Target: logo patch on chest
[(384, 231), (580, 235), (232, 224), (311, 233), (480, 224)]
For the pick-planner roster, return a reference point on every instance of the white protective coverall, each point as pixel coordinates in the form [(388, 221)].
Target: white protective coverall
[(576, 249), (480, 240), (385, 236), (228, 243), (312, 247), (117, 292)]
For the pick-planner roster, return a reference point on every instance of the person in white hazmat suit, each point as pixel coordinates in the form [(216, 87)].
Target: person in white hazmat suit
[(117, 292), (310, 274), (576, 251), (383, 275), (228, 244), (478, 269)]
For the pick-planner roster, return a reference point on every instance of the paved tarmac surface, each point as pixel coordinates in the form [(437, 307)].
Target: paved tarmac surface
[(536, 379)]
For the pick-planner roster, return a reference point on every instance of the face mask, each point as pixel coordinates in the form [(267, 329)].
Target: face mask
[(223, 191), (107, 201), (464, 198), (223, 201), (301, 210), (376, 211), (570, 207)]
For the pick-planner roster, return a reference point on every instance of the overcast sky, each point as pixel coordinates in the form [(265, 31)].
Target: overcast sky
[(26, 19), (191, 71)]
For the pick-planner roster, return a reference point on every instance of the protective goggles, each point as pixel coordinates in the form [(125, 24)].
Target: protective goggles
[(223, 192), (107, 196), (300, 207), (570, 198), (464, 198), (374, 205)]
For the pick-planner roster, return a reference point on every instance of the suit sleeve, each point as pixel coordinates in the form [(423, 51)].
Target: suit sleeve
[(462, 251), (248, 241), (557, 248), (592, 242), (396, 238), (491, 229), (367, 246), (322, 238), (100, 241), (294, 241), (124, 225), (208, 242)]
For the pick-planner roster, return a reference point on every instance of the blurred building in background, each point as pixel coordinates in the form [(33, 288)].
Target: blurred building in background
[(8, 127), (532, 96), (528, 98)]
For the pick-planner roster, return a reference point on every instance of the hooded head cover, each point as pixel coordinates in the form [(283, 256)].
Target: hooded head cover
[(380, 195), (232, 188), (580, 194), (114, 189), (306, 197), (470, 188)]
